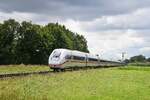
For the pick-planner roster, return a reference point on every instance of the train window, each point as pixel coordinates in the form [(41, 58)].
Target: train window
[(103, 61), (78, 58), (92, 59), (68, 57)]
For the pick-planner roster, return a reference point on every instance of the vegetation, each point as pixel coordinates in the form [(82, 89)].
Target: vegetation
[(140, 64), (148, 59), (125, 83), (29, 43), (138, 59), (22, 68), (137, 68)]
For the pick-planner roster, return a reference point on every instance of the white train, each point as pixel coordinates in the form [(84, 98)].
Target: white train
[(61, 59)]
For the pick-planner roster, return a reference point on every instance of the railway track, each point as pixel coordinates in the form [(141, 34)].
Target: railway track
[(46, 72), (31, 73), (23, 74)]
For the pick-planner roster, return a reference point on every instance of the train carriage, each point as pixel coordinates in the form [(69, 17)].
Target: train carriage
[(64, 59)]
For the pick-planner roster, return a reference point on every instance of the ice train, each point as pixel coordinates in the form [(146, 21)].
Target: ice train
[(61, 59)]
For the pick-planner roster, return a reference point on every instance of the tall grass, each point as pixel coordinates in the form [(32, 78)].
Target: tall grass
[(137, 68), (140, 64), (94, 84), (22, 68)]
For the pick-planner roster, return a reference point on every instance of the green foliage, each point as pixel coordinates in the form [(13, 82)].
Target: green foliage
[(138, 58), (29, 43), (148, 59), (8, 40), (80, 43)]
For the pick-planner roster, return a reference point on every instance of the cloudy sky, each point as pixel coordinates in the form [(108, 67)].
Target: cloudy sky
[(110, 26)]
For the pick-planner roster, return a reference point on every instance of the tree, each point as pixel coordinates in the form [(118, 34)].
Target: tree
[(30, 43), (138, 58), (27, 49), (46, 45), (8, 40), (80, 43), (148, 59), (61, 40)]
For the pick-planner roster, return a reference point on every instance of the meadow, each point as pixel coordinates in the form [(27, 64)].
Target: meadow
[(118, 83), (22, 68)]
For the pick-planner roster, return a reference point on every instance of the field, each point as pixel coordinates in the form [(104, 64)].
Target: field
[(22, 68), (123, 83)]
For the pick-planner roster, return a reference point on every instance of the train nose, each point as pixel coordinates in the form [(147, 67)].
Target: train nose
[(55, 65)]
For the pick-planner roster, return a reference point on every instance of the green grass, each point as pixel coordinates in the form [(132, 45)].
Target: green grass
[(140, 64), (22, 68), (138, 68), (95, 84)]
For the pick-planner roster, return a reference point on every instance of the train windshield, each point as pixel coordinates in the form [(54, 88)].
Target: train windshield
[(56, 54)]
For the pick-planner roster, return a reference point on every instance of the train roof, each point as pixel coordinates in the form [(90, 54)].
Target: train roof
[(76, 52), (83, 54)]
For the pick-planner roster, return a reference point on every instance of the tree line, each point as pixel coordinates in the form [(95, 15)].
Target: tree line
[(137, 58), (28, 43)]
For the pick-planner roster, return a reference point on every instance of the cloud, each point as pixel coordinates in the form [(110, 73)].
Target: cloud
[(107, 41), (145, 49), (132, 20), (110, 26), (16, 15), (115, 34), (22, 16), (76, 9)]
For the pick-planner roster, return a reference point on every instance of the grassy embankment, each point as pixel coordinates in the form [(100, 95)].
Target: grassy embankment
[(129, 83), (140, 64), (22, 68)]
